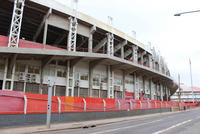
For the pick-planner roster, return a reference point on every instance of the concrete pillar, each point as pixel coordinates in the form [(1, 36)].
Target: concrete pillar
[(13, 76), (167, 93), (124, 89), (26, 71), (122, 52), (136, 86), (90, 41), (90, 81), (142, 59), (41, 79), (5, 74), (45, 33), (110, 76), (150, 61), (70, 79), (161, 92), (135, 54), (143, 85)]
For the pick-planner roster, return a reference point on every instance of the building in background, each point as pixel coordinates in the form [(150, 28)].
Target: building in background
[(186, 94)]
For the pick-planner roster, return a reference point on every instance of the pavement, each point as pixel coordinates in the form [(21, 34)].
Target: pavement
[(145, 124)]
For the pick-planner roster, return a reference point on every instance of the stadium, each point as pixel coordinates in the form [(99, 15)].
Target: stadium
[(93, 64)]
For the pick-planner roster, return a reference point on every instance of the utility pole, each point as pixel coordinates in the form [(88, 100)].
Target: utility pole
[(50, 86)]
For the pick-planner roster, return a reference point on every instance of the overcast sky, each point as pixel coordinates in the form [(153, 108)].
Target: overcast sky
[(177, 38)]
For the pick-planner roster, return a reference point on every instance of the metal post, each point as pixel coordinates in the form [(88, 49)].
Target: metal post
[(104, 105), (50, 86), (59, 105), (85, 105), (25, 104)]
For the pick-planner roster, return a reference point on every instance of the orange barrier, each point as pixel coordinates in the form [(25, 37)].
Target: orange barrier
[(37, 103)]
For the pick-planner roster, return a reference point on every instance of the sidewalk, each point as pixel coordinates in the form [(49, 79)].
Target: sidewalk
[(74, 125)]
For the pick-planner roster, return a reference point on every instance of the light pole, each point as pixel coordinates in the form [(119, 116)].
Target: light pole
[(179, 14)]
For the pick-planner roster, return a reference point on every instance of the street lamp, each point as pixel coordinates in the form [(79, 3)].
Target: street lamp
[(179, 14)]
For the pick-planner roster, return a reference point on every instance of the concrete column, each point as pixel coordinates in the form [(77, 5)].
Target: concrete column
[(136, 86), (5, 74), (135, 54), (67, 78), (70, 79), (142, 59), (110, 76), (55, 76), (26, 71), (90, 81), (124, 89), (150, 61), (41, 79), (13, 76), (150, 90), (161, 92), (143, 85), (90, 43), (167, 93), (45, 33), (122, 52)]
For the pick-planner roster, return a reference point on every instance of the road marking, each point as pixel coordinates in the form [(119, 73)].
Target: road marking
[(174, 126), (111, 130)]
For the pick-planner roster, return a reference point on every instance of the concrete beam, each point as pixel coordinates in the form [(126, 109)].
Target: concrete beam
[(82, 42), (128, 52), (118, 66), (75, 61), (93, 29), (41, 24), (100, 45), (130, 71), (94, 63), (120, 45), (60, 38), (46, 61)]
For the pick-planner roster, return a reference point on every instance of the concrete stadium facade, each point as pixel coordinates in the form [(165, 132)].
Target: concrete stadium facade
[(85, 57)]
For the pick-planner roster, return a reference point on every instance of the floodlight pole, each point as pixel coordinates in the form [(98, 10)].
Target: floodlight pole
[(191, 82)]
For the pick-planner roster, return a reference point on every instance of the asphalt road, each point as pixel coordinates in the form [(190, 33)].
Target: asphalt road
[(178, 123)]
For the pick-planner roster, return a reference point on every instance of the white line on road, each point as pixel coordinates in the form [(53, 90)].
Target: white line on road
[(167, 129), (111, 130)]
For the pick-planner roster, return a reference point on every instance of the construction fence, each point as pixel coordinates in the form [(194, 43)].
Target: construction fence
[(12, 102)]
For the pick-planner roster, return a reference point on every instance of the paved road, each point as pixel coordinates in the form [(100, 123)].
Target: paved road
[(178, 123)]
